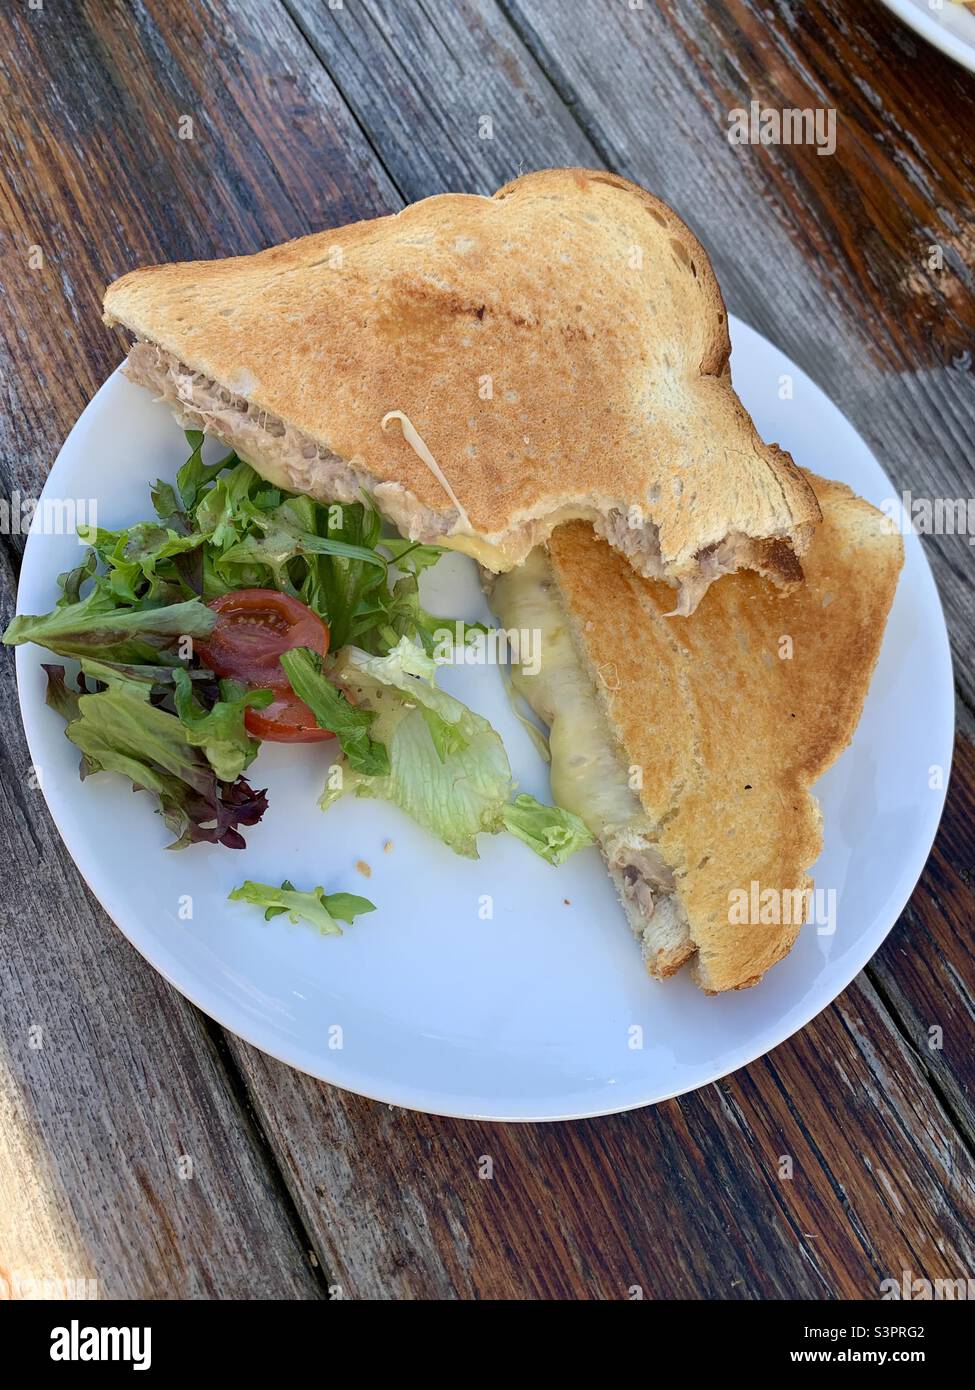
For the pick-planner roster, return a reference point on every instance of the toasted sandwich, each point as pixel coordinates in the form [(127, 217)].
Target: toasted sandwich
[(689, 747), (487, 369)]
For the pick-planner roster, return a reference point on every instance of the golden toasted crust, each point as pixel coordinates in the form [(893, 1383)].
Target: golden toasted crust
[(562, 342), (734, 712)]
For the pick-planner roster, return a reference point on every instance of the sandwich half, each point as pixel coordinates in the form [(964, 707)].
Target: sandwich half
[(487, 368), (689, 748)]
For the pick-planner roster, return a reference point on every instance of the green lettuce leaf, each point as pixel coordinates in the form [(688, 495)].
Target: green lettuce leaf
[(220, 731), (332, 710), (347, 906), (117, 730), (550, 831), (142, 678), (93, 627), (221, 515), (134, 554), (320, 909), (58, 696), (169, 508), (284, 534), (121, 731), (447, 766), (71, 581), (195, 474), (412, 557)]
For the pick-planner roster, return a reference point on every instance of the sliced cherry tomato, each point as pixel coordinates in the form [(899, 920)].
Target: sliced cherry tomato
[(286, 720), (254, 627)]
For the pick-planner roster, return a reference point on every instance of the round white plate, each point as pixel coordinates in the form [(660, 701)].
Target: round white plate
[(429, 1002), (949, 27)]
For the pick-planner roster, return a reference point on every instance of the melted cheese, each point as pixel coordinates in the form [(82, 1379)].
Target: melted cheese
[(588, 776), (492, 557)]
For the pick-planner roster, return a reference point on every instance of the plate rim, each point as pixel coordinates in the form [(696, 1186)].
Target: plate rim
[(950, 43)]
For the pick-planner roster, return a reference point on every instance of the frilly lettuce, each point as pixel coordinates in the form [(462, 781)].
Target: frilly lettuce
[(94, 627), (447, 766), (318, 908), (119, 730)]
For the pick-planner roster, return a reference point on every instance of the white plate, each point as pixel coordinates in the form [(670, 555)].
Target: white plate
[(527, 1015), (949, 27)]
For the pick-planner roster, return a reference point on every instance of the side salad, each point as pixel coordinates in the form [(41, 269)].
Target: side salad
[(240, 613)]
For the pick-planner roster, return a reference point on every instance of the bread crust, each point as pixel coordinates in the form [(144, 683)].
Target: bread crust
[(563, 342), (734, 712)]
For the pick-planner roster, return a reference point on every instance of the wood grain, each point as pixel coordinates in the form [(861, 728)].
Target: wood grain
[(305, 116), (95, 175), (130, 1078)]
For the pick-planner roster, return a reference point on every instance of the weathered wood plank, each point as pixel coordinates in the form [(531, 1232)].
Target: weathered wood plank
[(129, 1079), (446, 92), (96, 176)]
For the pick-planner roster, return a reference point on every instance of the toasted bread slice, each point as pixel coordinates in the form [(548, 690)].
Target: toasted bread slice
[(560, 350), (719, 725)]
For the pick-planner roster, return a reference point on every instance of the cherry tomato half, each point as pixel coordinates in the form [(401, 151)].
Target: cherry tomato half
[(253, 628), (286, 720)]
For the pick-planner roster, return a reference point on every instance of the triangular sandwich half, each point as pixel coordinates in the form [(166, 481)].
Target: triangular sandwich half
[(689, 746), (487, 368)]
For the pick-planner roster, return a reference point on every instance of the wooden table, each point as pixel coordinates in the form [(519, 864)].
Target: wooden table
[(169, 130)]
